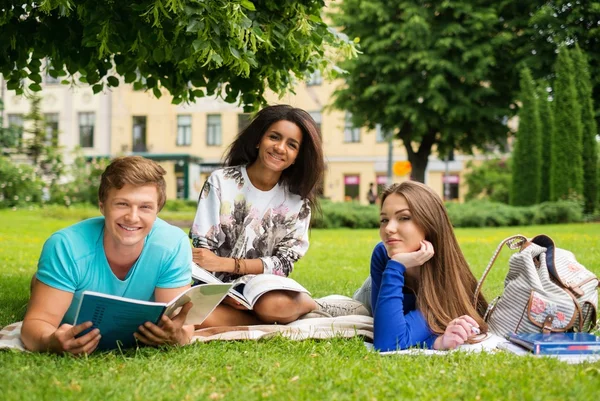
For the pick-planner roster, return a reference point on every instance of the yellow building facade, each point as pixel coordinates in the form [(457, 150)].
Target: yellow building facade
[(189, 140)]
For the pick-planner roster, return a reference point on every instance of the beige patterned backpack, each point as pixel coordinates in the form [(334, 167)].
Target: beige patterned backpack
[(545, 290)]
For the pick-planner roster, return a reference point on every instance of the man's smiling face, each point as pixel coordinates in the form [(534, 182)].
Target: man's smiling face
[(129, 214)]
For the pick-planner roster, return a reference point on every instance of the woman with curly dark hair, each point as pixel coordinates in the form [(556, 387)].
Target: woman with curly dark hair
[(254, 214)]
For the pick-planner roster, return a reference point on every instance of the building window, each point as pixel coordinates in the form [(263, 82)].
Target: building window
[(450, 184), (381, 134), (351, 186), (139, 134), (351, 133), (243, 121), (213, 130), (314, 79), (86, 129), (317, 116), (184, 130), (15, 127), (51, 120)]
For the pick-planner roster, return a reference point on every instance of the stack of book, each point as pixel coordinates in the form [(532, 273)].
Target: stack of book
[(571, 347)]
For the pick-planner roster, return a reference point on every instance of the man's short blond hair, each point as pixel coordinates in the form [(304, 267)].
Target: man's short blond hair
[(133, 170)]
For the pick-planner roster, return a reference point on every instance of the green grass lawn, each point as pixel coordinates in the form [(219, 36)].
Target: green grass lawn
[(337, 262)]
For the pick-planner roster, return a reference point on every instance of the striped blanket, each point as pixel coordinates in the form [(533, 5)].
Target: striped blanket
[(317, 328)]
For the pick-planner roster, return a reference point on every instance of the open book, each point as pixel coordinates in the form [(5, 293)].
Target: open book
[(247, 289), (118, 318), (489, 342)]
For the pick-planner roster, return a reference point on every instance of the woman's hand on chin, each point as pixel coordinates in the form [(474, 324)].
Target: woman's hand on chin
[(416, 258)]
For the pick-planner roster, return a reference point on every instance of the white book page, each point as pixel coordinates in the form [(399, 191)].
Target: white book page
[(263, 283), (490, 343), (203, 275), (204, 297)]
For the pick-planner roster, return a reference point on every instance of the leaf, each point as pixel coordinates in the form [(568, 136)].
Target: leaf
[(198, 93), (248, 5), (97, 88), (151, 82), (130, 77), (157, 92), (12, 85), (177, 100), (113, 81), (217, 59), (35, 77), (138, 86), (234, 52), (158, 54), (199, 44), (35, 87)]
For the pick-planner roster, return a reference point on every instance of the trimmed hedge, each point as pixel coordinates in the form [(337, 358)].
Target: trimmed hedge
[(470, 214)]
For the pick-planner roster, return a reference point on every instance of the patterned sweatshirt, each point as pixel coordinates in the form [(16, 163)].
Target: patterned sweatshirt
[(234, 219)]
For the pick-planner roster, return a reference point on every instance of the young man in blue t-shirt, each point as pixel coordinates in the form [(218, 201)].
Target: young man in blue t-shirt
[(129, 252)]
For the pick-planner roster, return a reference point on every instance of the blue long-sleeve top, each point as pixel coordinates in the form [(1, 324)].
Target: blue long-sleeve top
[(398, 324)]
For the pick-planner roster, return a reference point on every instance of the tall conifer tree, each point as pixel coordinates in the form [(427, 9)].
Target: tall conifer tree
[(527, 163), (547, 137), (589, 129), (567, 169)]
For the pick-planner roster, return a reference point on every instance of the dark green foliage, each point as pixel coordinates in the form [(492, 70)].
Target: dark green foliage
[(547, 25), (526, 160), (589, 129), (490, 214), (567, 167), (547, 141), (234, 49), (428, 73), (491, 181)]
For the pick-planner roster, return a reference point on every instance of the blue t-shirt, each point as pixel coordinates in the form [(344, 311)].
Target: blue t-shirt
[(73, 260), (397, 323)]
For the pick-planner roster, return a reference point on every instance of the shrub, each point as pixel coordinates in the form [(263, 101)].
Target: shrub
[(491, 214), (19, 184), (83, 187), (346, 214), (180, 205)]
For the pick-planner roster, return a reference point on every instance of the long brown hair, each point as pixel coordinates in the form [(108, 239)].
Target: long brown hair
[(446, 283), (305, 176)]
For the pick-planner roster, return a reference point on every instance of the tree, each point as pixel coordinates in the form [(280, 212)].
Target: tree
[(428, 73), (567, 169), (547, 139), (553, 24), (34, 144), (527, 152), (589, 129), (234, 49)]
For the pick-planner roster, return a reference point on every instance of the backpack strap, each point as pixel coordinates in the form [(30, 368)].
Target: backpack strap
[(515, 242)]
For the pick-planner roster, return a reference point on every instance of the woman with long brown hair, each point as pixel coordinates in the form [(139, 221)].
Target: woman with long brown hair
[(422, 286)]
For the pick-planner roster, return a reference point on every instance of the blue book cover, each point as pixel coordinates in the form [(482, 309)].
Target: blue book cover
[(557, 343), (118, 318)]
